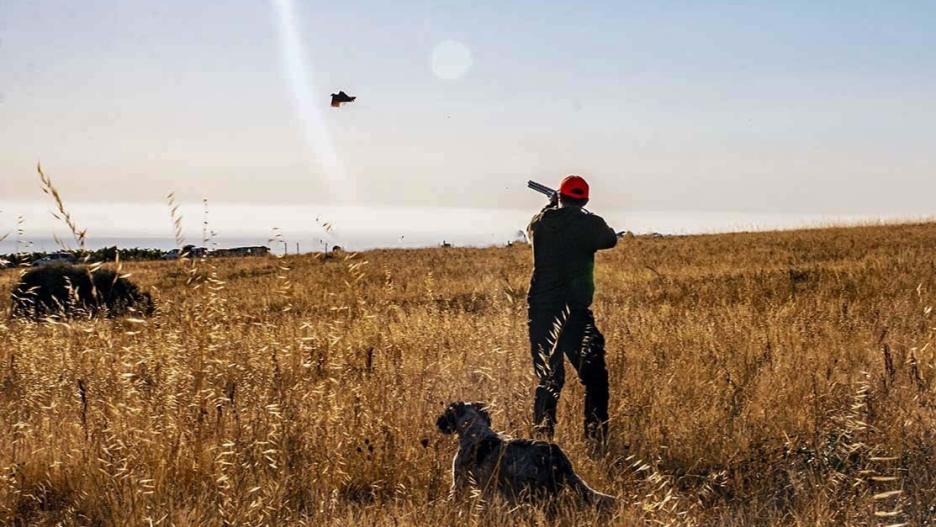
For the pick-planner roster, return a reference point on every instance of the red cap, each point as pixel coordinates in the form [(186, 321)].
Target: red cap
[(574, 187)]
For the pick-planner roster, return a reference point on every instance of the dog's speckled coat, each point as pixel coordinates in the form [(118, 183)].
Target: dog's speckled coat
[(517, 469)]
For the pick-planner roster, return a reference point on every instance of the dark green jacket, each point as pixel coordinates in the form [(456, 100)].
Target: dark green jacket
[(565, 240)]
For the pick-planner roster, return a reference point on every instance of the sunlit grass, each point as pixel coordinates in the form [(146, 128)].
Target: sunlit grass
[(778, 378)]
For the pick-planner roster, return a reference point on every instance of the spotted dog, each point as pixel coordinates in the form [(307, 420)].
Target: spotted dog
[(517, 469)]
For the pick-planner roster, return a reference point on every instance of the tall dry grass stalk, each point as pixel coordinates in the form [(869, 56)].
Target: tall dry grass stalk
[(757, 379), (61, 213)]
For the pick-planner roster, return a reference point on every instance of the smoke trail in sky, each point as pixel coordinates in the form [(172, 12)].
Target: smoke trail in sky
[(309, 101)]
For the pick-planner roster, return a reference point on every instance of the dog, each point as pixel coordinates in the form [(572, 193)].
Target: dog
[(517, 469), (72, 290)]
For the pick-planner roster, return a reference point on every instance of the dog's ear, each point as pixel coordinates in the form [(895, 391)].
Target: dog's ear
[(446, 422), (484, 411)]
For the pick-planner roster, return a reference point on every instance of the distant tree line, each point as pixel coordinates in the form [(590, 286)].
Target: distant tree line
[(104, 254)]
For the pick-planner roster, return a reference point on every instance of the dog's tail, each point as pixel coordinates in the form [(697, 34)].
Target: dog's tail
[(583, 492), (599, 500)]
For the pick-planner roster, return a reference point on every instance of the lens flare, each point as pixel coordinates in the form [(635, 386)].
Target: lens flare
[(451, 60), (309, 102)]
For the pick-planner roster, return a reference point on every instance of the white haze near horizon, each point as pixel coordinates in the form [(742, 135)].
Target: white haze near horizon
[(351, 227), (768, 107)]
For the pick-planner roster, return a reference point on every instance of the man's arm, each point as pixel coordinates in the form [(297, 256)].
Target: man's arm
[(603, 236), (553, 202)]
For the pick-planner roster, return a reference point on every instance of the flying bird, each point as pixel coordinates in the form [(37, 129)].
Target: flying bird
[(339, 98)]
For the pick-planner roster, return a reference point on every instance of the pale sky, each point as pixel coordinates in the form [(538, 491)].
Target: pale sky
[(768, 107)]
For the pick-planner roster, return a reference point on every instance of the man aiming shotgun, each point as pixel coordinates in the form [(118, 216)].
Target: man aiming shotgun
[(565, 238)]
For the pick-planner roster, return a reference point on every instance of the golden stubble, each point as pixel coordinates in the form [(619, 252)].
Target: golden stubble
[(776, 378)]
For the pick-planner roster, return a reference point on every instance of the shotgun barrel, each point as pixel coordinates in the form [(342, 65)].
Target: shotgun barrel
[(542, 189)]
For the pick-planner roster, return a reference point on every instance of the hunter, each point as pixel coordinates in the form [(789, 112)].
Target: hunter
[(565, 238)]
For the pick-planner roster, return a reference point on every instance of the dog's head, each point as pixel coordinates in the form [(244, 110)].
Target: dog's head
[(459, 416), (145, 303)]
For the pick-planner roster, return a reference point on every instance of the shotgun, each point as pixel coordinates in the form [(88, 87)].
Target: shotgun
[(542, 189)]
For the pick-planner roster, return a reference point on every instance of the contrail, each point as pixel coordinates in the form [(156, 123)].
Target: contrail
[(309, 102)]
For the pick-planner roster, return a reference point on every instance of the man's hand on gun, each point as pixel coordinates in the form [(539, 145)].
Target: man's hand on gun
[(548, 192)]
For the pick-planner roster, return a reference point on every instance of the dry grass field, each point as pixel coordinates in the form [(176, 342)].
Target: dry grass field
[(783, 378)]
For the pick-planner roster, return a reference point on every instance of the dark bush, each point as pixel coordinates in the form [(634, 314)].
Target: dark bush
[(72, 290)]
